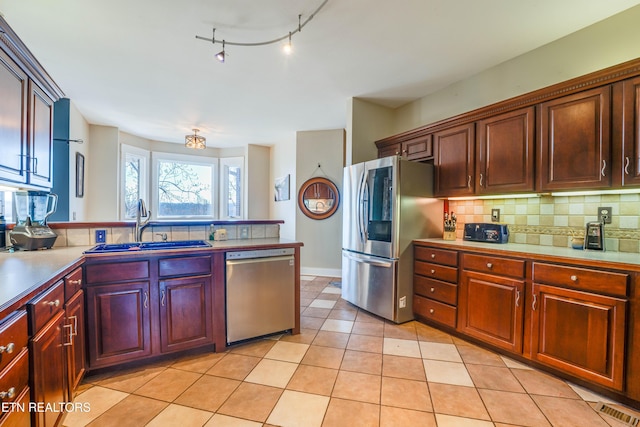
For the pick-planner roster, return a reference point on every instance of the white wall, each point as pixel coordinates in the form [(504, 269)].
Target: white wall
[(283, 162), (604, 44), (78, 129), (322, 239), (259, 182), (101, 172), (367, 123)]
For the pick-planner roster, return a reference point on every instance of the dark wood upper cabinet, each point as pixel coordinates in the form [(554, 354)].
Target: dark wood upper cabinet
[(629, 138), (454, 160), (40, 137), (575, 141), (505, 153)]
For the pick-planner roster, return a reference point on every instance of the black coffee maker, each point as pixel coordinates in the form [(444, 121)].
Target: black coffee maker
[(594, 236)]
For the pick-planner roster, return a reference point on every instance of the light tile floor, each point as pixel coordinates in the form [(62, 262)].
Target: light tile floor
[(346, 368)]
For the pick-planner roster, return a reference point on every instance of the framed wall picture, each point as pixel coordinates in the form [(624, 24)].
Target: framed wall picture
[(79, 175), (282, 188)]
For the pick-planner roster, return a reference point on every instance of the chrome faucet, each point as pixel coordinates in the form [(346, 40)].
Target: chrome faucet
[(141, 212)]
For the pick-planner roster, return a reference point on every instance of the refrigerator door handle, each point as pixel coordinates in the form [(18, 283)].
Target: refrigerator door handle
[(370, 261), (362, 207)]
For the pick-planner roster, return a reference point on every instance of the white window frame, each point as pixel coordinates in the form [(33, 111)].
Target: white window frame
[(156, 157), (145, 157), (226, 162)]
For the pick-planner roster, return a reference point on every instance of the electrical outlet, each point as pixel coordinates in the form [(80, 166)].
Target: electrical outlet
[(604, 215), (403, 302), (101, 236), (244, 231), (495, 215)]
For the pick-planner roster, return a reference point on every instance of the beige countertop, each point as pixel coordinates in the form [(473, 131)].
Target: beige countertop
[(23, 274), (622, 258)]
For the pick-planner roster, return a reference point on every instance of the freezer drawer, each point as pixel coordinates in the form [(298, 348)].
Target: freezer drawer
[(370, 283), (260, 295)]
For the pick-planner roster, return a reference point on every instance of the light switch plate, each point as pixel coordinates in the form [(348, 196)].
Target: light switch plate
[(101, 236), (604, 215)]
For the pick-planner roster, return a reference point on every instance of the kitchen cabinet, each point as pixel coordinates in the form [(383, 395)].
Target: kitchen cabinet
[(14, 365), (454, 161), (26, 114), (318, 191), (75, 345), (575, 141), (149, 306), (629, 137), (506, 153), (575, 329), (435, 285), (411, 147), (47, 351), (491, 300)]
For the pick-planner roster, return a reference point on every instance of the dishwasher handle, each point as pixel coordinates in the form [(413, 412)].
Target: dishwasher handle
[(232, 262)]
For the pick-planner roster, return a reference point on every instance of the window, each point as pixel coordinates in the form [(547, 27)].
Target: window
[(135, 182), (185, 186), (231, 188)]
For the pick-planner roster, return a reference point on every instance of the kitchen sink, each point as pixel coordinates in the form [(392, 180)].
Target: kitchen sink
[(146, 246)]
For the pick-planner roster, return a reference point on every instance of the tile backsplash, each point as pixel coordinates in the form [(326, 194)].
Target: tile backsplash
[(87, 236), (553, 220)]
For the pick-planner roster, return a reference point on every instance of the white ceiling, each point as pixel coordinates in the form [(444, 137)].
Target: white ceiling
[(137, 65)]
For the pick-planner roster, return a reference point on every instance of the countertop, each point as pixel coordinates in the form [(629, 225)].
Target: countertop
[(24, 274), (621, 259)]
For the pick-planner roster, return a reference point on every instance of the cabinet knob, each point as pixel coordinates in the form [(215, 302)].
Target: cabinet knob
[(55, 303), (75, 282), (431, 311), (489, 265), (432, 290), (574, 278), (433, 256), (11, 393), (433, 271), (8, 348)]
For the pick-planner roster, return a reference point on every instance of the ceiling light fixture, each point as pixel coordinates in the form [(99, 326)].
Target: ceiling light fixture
[(287, 48), (195, 141)]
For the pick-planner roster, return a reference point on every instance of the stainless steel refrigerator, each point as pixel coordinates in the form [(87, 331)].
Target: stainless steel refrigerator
[(387, 203)]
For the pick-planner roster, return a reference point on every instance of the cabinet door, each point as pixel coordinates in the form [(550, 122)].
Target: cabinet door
[(389, 150), (631, 133), (40, 137), (505, 153), (418, 149), (74, 311), (580, 333), (13, 111), (49, 378), (575, 141), (502, 325), (454, 159), (185, 313), (119, 319)]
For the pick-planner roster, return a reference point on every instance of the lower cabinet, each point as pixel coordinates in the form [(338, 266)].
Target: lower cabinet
[(580, 332), (75, 345), (158, 304), (119, 323)]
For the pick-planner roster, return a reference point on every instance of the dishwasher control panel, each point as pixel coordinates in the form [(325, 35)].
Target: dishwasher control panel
[(260, 253)]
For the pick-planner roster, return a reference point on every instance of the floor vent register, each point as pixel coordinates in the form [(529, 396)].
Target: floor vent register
[(618, 414)]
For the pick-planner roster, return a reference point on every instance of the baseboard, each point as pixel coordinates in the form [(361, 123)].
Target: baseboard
[(326, 272)]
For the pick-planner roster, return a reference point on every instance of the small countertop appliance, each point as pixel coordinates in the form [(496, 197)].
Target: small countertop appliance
[(594, 236), (486, 232), (33, 208)]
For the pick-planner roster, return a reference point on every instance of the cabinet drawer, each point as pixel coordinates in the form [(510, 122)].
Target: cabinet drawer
[(185, 265), (436, 271), (18, 418), (434, 310), (440, 256), (72, 283), (606, 282), (43, 307), (441, 291), (494, 265), (14, 335), (15, 377), (117, 272)]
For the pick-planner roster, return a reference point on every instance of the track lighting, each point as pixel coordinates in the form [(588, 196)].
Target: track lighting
[(287, 47)]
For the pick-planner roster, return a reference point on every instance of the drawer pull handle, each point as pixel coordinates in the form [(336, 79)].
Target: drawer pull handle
[(489, 265), (75, 325), (533, 304), (55, 303), (480, 180), (431, 311), (432, 289), (604, 166), (574, 278), (8, 348), (75, 282), (433, 256), (146, 300), (469, 182), (163, 298), (517, 298), (626, 165), (433, 271), (11, 393)]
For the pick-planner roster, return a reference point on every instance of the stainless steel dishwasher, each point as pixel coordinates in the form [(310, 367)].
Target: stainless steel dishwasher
[(260, 292)]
